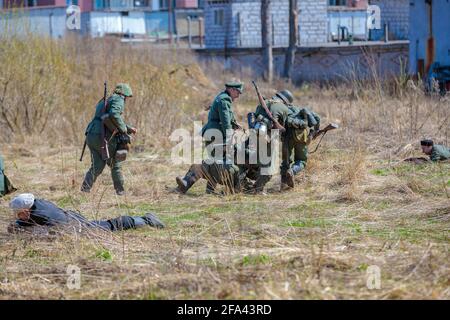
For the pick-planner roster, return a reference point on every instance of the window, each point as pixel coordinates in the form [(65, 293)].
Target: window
[(164, 4), (337, 2), (218, 17), (141, 3)]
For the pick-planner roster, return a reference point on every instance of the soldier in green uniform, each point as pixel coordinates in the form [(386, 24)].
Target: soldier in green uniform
[(231, 175), (214, 173), (221, 115), (115, 108), (436, 152), (278, 106), (5, 185), (301, 123)]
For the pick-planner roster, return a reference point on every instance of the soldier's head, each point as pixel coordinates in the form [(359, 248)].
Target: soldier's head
[(21, 206), (286, 96), (234, 89), (124, 90), (427, 146)]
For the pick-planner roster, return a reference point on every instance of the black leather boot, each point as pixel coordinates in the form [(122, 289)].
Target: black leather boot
[(191, 177)]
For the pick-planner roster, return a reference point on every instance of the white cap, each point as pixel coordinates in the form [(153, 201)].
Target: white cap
[(22, 201)]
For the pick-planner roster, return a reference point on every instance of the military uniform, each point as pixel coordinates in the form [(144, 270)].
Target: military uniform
[(231, 175), (214, 173), (439, 153), (221, 115), (5, 185), (295, 146), (115, 109), (278, 107)]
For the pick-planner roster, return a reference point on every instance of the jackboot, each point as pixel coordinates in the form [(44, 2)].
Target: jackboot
[(191, 177), (290, 178)]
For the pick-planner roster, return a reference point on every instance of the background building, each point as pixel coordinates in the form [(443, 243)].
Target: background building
[(237, 23), (429, 49), (133, 18)]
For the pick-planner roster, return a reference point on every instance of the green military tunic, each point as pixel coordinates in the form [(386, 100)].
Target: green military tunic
[(5, 185), (221, 115), (439, 153), (278, 109), (295, 148), (115, 106), (280, 112)]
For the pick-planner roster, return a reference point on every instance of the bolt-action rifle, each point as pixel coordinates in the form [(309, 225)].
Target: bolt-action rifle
[(263, 104), (315, 134), (104, 146)]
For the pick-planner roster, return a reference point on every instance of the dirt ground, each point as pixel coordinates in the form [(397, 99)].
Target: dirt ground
[(349, 214)]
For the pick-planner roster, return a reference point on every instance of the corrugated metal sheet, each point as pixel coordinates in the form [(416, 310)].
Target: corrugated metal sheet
[(429, 34)]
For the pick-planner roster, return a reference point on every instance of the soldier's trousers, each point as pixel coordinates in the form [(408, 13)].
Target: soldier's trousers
[(294, 156), (98, 164), (115, 224)]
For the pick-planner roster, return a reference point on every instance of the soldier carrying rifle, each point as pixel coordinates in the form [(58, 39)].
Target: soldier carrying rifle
[(107, 137)]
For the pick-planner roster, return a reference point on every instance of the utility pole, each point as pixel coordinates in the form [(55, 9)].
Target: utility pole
[(266, 40), (293, 35), (169, 11)]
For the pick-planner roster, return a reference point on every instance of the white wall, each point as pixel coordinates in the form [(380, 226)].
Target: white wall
[(114, 22)]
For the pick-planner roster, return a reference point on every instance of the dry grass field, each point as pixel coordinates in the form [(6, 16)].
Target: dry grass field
[(356, 206)]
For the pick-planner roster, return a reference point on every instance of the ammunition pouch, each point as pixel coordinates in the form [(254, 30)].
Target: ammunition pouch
[(123, 146)]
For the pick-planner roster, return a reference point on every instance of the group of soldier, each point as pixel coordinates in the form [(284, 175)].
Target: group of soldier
[(108, 139), (298, 126)]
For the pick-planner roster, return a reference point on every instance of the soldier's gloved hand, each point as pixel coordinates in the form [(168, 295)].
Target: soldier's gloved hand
[(317, 127), (132, 130), (312, 122)]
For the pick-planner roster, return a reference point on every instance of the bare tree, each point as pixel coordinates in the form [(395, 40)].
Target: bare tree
[(266, 40), (293, 35)]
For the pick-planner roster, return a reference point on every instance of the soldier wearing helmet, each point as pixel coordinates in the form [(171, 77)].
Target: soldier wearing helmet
[(115, 131), (278, 106), (301, 124)]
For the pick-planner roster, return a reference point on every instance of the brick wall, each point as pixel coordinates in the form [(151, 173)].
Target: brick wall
[(244, 24), (215, 34), (396, 14), (313, 21)]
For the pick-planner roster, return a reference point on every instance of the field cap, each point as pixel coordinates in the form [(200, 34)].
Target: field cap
[(22, 201)]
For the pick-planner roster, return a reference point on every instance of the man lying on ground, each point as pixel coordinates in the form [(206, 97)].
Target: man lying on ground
[(39, 212), (436, 152)]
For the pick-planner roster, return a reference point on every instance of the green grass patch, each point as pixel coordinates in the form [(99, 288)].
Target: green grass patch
[(377, 205), (68, 201), (354, 227), (251, 260), (104, 255), (31, 253), (309, 223), (380, 172), (314, 207)]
